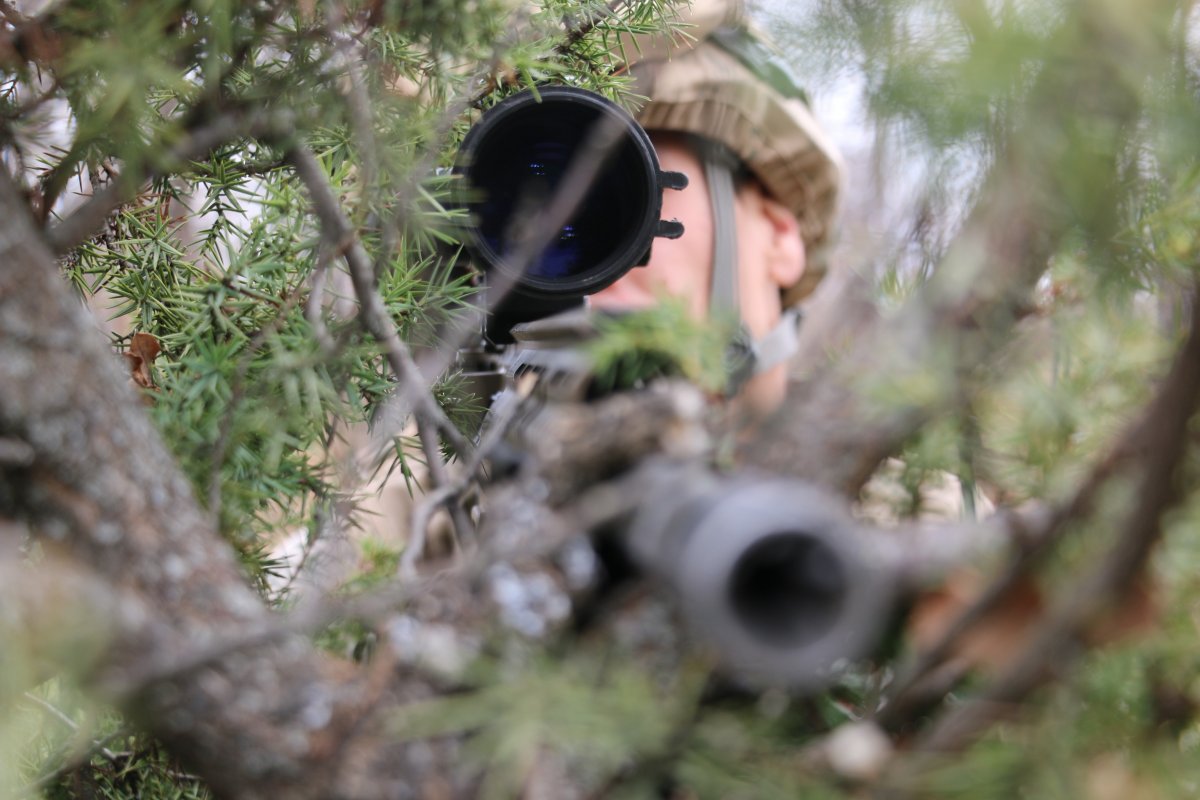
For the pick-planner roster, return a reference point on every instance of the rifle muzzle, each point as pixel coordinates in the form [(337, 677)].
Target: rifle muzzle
[(770, 572)]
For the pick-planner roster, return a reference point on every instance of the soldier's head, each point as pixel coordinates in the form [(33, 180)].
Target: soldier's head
[(763, 183)]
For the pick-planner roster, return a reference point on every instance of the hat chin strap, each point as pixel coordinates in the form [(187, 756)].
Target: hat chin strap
[(723, 292), (747, 357)]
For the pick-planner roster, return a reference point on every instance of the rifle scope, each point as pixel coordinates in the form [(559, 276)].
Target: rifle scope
[(516, 161), (770, 572)]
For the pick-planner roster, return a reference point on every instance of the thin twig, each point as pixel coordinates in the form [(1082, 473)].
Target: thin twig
[(368, 607), (338, 233), (312, 307), (497, 427), (75, 761), (427, 159), (534, 232), (321, 520), (587, 164), (358, 104), (580, 27), (414, 547), (60, 715), (43, 782), (373, 316), (437, 472), (305, 621), (34, 103)]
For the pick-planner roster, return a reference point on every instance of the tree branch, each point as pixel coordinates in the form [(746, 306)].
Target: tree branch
[(847, 413), (338, 233), (1057, 642), (278, 719), (1034, 538)]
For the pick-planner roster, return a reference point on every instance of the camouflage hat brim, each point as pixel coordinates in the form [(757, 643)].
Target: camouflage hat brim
[(707, 91)]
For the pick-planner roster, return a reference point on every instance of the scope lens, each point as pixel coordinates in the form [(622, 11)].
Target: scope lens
[(519, 166), (788, 589)]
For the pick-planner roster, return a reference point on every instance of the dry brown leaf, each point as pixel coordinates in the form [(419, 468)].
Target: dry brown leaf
[(992, 641), (30, 42), (1137, 614), (143, 349), (1001, 635)]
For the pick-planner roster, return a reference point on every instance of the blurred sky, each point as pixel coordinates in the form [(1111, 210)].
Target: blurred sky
[(888, 195)]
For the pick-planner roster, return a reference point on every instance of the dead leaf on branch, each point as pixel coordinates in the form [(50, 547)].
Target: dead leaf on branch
[(30, 42), (1135, 614), (143, 349), (995, 639), (1002, 634)]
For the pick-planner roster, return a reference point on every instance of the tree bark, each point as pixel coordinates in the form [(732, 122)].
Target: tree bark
[(278, 719)]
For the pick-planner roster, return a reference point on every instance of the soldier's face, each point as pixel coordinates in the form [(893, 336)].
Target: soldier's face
[(770, 258)]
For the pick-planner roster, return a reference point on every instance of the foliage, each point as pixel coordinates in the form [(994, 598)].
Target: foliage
[(581, 713), (265, 365), (636, 347), (56, 738), (946, 85), (216, 260)]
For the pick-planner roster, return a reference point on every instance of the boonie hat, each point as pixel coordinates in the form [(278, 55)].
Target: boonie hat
[(721, 79)]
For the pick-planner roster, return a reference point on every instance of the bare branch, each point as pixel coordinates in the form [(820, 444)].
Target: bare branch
[(1034, 535), (414, 547), (580, 26), (496, 430), (339, 234), (316, 296), (532, 237), (76, 759), (534, 232)]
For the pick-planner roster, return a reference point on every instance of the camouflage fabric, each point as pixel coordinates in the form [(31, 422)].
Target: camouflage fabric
[(726, 83)]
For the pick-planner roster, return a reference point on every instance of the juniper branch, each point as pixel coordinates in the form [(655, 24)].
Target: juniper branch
[(338, 233), (197, 144), (1057, 641)]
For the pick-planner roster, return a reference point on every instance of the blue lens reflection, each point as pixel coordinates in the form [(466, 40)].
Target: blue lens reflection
[(520, 173)]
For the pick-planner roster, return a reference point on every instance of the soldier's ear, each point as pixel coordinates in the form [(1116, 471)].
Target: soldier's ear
[(786, 257)]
